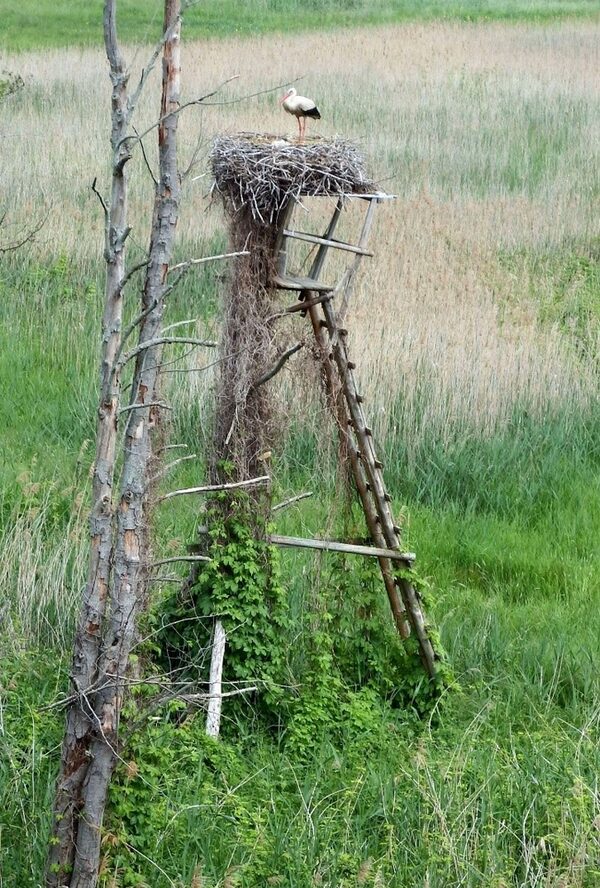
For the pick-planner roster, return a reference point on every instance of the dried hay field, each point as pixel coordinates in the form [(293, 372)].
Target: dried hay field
[(476, 328), (490, 138)]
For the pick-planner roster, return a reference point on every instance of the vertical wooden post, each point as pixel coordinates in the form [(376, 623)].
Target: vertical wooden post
[(215, 691)]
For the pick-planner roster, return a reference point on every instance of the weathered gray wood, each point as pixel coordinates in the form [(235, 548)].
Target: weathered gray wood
[(301, 283), (346, 284), (77, 738), (376, 196), (213, 488), (215, 689), (331, 242), (280, 244), (319, 259), (128, 595), (335, 546)]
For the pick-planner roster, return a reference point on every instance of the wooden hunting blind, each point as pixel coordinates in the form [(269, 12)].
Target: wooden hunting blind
[(262, 180)]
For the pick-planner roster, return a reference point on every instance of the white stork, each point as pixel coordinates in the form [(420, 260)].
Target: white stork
[(300, 107)]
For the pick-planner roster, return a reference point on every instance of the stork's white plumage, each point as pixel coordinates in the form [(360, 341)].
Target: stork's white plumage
[(300, 107)]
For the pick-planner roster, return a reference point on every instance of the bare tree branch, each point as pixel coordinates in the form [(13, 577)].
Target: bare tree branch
[(25, 239), (202, 101), (100, 198), (170, 466), (291, 500), (191, 262), (160, 404), (139, 136), (145, 157), (148, 68), (184, 267), (165, 340), (133, 270), (213, 488), (283, 359)]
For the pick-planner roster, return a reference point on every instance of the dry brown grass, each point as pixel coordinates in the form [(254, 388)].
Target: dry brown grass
[(488, 134)]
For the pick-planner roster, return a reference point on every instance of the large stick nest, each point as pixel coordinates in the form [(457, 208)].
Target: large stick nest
[(263, 172)]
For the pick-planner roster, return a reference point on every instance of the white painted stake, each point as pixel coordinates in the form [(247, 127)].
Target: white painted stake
[(213, 718)]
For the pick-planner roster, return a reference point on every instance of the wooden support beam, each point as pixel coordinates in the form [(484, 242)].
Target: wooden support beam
[(372, 472), (349, 548), (307, 303), (336, 401), (328, 242), (378, 195), (346, 284)]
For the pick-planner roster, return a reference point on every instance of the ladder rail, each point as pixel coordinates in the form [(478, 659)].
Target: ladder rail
[(357, 440), (341, 415), (371, 465)]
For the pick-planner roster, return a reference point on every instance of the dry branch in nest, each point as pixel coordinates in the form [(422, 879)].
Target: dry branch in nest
[(263, 172)]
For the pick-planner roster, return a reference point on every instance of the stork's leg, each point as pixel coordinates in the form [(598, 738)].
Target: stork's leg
[(299, 119)]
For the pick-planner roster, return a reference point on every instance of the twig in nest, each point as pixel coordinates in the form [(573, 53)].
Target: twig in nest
[(264, 172)]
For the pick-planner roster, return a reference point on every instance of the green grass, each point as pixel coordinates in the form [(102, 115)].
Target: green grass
[(44, 24), (498, 788)]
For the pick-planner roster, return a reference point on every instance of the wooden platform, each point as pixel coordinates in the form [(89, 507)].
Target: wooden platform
[(283, 282)]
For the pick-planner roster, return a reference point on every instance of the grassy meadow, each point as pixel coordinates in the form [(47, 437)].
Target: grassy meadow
[(476, 328), (36, 23)]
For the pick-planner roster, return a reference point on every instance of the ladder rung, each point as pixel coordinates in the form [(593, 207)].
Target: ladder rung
[(301, 283)]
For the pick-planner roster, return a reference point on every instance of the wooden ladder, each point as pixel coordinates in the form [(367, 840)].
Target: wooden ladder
[(346, 402)]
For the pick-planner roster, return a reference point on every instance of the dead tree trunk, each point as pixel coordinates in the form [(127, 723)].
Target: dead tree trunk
[(74, 759), (131, 555)]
